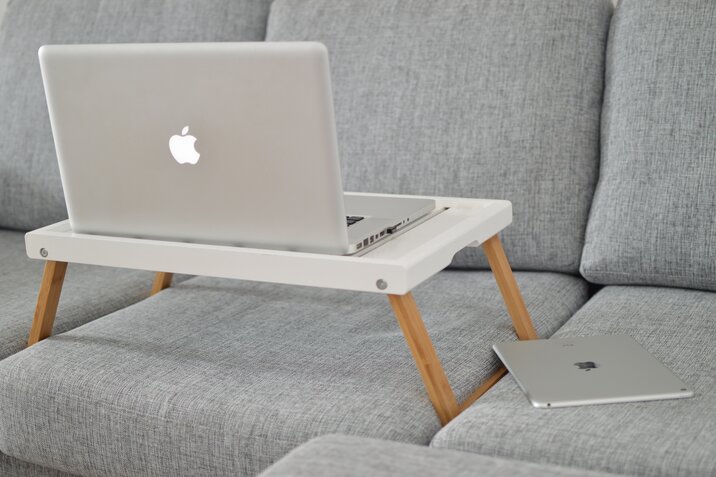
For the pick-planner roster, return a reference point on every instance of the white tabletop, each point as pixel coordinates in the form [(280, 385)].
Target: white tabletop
[(398, 265)]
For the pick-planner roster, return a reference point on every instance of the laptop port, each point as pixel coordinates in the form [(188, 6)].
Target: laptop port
[(365, 242)]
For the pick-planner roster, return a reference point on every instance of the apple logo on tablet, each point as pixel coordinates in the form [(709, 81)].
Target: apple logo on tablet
[(586, 365), (182, 147)]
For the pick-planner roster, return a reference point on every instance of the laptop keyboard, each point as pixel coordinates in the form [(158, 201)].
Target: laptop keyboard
[(352, 219)]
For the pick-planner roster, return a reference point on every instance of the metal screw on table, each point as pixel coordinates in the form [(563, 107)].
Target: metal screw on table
[(43, 252), (381, 284)]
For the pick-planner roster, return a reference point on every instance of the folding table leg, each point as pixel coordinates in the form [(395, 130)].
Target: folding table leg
[(508, 287), (434, 378), (47, 301), (436, 382), (162, 280), (49, 298)]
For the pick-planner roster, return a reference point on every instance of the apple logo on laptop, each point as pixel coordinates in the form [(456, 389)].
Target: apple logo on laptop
[(586, 365), (182, 147)]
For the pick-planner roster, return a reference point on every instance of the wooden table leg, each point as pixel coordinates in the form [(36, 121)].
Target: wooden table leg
[(508, 287), (434, 378), (49, 298), (482, 389), (162, 280), (47, 301)]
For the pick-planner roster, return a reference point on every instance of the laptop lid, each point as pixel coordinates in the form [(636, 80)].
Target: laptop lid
[(210, 142), (589, 370)]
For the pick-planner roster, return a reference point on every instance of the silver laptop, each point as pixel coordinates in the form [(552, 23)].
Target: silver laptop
[(590, 370), (230, 143)]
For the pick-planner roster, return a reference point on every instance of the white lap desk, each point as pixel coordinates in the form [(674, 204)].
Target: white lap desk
[(393, 268)]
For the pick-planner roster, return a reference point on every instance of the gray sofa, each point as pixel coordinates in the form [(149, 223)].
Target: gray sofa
[(599, 127)]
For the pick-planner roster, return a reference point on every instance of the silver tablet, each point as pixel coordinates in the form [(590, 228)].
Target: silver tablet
[(589, 370)]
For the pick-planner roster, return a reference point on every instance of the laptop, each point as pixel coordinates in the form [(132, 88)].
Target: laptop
[(227, 143), (590, 370)]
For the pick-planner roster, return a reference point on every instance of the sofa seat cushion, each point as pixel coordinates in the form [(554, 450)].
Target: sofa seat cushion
[(223, 377), (12, 467), (349, 456), (30, 189), (495, 99), (652, 221), (667, 438), (88, 292)]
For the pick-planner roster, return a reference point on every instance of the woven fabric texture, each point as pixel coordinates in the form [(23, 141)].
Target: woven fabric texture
[(88, 292), (223, 377), (658, 438), (11, 467), (30, 189), (492, 99), (349, 456), (653, 221)]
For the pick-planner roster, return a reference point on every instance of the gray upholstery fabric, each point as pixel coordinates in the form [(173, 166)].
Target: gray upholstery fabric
[(653, 219), (472, 98), (11, 467), (345, 456), (88, 292), (30, 190), (658, 438), (222, 377)]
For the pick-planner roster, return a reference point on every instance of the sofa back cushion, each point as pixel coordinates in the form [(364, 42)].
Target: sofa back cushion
[(653, 221), (30, 190), (474, 98)]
